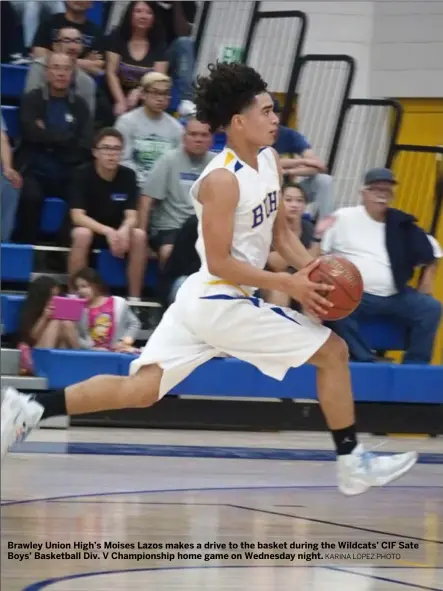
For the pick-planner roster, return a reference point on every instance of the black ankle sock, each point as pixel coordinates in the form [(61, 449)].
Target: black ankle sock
[(345, 440), (54, 403)]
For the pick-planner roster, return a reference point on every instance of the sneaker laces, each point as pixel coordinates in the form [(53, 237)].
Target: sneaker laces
[(367, 456)]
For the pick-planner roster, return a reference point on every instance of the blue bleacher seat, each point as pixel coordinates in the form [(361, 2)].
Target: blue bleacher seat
[(11, 116), (95, 13), (219, 142), (10, 312), (53, 214), (384, 334), (234, 378), (13, 80), (113, 270), (17, 262)]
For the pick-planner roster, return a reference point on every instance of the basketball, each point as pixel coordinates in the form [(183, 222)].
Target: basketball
[(346, 279)]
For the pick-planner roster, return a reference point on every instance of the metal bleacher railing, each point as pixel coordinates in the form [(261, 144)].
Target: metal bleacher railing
[(366, 139), (279, 66)]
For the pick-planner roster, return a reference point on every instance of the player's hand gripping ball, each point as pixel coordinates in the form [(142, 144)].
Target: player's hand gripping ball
[(346, 279)]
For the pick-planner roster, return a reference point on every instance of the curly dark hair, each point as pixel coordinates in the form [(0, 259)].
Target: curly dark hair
[(227, 91)]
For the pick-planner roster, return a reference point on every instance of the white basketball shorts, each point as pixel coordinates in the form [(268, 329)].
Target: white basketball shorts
[(209, 321)]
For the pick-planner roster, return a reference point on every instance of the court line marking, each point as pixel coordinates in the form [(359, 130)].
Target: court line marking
[(196, 451), (62, 498), (384, 579), (337, 524), (39, 585)]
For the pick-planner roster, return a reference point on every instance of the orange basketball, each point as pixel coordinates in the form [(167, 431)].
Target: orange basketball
[(346, 279)]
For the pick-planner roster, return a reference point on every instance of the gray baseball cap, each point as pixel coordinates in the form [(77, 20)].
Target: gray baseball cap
[(376, 175)]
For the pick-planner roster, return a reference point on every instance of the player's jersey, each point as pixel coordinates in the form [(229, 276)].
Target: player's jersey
[(256, 209)]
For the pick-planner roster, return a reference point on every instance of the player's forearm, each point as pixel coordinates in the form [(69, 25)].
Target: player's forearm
[(84, 221), (292, 250), (239, 273)]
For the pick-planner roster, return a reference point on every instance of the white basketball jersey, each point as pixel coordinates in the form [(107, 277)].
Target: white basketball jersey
[(256, 210)]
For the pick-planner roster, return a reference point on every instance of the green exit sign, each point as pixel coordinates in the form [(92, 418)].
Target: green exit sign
[(230, 54)]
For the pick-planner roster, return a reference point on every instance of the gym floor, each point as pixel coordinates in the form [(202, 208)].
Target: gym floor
[(126, 509)]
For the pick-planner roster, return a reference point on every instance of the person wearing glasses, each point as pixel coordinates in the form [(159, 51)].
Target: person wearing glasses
[(69, 41), (103, 202), (387, 246), (148, 131)]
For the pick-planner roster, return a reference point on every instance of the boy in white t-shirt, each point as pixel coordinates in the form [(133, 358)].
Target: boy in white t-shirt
[(386, 246)]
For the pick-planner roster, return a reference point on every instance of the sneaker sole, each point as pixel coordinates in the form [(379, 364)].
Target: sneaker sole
[(383, 481), (410, 464)]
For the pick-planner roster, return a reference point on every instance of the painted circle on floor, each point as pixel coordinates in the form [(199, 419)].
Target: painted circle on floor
[(220, 577)]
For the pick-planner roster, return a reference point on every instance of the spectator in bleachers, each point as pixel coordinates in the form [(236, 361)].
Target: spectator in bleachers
[(30, 12), (56, 130), (103, 201), (166, 191), (182, 262), (148, 131), (134, 49), (108, 323), (177, 19), (69, 41), (294, 200), (306, 167), (386, 246), (11, 184), (38, 329), (91, 60)]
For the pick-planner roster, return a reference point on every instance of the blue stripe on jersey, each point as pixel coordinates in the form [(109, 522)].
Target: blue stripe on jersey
[(224, 296), (281, 312), (253, 300)]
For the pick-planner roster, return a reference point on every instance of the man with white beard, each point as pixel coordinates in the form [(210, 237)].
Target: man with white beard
[(386, 245)]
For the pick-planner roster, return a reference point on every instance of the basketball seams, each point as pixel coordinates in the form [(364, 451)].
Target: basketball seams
[(322, 274)]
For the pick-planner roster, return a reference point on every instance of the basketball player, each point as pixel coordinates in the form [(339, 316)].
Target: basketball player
[(237, 204)]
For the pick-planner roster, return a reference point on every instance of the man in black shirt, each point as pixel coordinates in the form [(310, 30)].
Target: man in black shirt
[(56, 133), (91, 60), (103, 202)]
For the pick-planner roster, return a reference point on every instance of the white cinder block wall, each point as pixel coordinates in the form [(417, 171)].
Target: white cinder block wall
[(407, 49), (397, 44), (337, 28)]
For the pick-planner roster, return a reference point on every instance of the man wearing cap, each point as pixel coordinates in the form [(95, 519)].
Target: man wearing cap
[(387, 245), (148, 131)]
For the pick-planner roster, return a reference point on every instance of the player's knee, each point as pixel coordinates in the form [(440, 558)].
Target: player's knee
[(334, 352), (81, 237), (142, 388), (138, 237)]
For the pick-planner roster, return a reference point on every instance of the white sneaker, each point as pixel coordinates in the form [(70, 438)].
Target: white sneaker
[(360, 470), (20, 414)]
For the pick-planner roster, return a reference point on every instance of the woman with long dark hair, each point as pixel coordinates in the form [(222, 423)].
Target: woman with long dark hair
[(38, 329), (134, 49)]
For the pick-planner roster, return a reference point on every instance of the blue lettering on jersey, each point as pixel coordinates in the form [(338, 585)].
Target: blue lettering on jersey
[(268, 207)]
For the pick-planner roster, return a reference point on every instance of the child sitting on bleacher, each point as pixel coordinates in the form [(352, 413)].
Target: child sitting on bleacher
[(108, 323), (38, 329)]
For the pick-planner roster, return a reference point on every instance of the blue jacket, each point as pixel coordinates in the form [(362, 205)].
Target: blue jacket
[(408, 246)]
